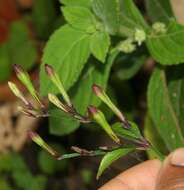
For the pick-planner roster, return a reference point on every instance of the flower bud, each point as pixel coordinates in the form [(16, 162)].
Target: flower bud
[(25, 79), (57, 82), (39, 141), (127, 46), (104, 98), (54, 99), (97, 90), (99, 117)]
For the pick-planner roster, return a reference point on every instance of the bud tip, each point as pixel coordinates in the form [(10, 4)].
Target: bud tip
[(97, 89), (49, 69)]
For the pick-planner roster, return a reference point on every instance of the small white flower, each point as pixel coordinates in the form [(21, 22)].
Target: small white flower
[(127, 46), (139, 36)]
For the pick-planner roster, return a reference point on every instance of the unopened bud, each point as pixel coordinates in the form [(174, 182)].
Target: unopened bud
[(105, 98), (25, 79), (97, 90), (55, 100), (19, 94), (139, 36), (99, 117), (49, 70), (57, 82), (39, 141), (18, 69)]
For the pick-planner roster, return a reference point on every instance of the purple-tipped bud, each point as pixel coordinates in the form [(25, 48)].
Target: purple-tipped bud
[(92, 111), (49, 70), (18, 69), (32, 135), (97, 90)]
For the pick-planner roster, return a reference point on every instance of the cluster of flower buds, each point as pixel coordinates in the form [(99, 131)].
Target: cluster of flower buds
[(159, 28), (93, 114), (129, 45), (67, 106), (30, 109)]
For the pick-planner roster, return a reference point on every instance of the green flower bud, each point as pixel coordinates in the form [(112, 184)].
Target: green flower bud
[(56, 81), (127, 46), (139, 36), (25, 79), (104, 97), (159, 28), (99, 117), (40, 142), (55, 100)]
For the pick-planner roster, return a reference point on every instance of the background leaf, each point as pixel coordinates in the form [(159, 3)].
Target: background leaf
[(83, 3), (5, 65), (61, 123), (110, 157), (20, 46), (130, 18), (67, 51), (159, 10), (167, 48), (127, 65), (162, 112), (99, 44), (43, 15)]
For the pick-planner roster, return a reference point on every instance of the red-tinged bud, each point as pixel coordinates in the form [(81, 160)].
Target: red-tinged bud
[(39, 141), (32, 135), (92, 110), (99, 117), (18, 69), (49, 70), (97, 90)]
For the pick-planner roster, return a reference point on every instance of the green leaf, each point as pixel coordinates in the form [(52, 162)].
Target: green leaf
[(39, 182), (108, 13), (152, 135), (80, 18), (132, 133), (44, 15), (175, 76), (167, 48), (162, 112), (48, 164), (67, 51), (83, 3), (61, 123), (159, 10), (110, 157), (130, 18), (5, 65), (21, 48), (4, 184), (99, 44)]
